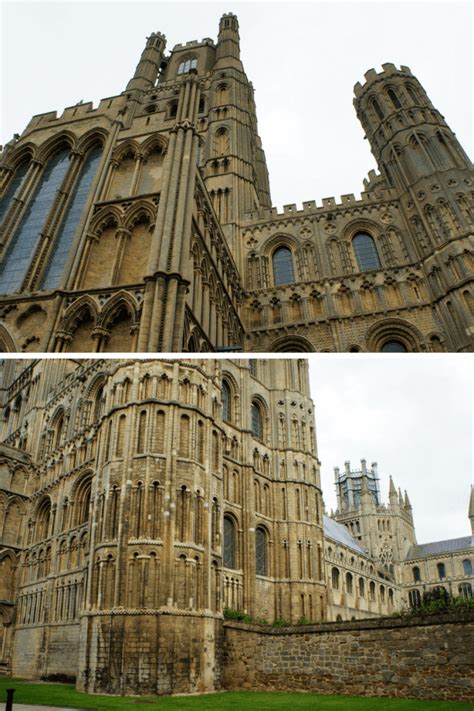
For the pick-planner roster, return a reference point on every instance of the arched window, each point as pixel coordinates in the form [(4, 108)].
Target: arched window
[(365, 252), (253, 367), (393, 346), (361, 587), (282, 261), (394, 98), (257, 421), (412, 94), (416, 574), (226, 401), (261, 556), (186, 66), (372, 591), (414, 598), (14, 187), (377, 109), (63, 242), (441, 570), (24, 242), (58, 431), (467, 567), (349, 585), (172, 109), (229, 543), (335, 578)]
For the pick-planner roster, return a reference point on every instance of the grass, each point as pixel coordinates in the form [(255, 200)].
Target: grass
[(66, 695)]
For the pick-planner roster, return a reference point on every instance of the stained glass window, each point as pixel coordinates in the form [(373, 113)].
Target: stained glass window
[(283, 266), (260, 552), (229, 543), (24, 242), (70, 222), (13, 188), (365, 252)]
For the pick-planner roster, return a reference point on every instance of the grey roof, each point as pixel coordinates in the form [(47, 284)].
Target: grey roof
[(453, 545), (340, 534)]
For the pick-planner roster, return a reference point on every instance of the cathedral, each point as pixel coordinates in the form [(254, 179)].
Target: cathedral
[(146, 224), (143, 502)]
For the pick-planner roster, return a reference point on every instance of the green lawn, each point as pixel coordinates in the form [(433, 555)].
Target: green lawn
[(66, 695)]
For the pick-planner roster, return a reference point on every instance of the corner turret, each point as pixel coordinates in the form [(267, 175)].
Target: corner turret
[(149, 65)]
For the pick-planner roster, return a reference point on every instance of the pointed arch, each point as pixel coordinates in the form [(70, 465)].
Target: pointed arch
[(55, 143), (7, 343)]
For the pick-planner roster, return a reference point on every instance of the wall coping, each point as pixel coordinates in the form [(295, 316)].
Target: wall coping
[(382, 623)]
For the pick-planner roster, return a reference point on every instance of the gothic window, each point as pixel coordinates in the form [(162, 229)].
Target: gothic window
[(467, 567), (43, 518), (416, 574), (98, 404), (361, 587), (414, 598), (349, 583), (229, 543), (58, 431), (63, 242), (441, 570), (365, 252), (23, 245), (13, 188), (261, 555), (372, 591), (188, 65), (257, 421), (282, 261), (253, 367), (335, 578), (393, 346), (226, 401), (394, 98)]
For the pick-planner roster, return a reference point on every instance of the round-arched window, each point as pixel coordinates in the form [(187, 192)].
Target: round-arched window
[(257, 421), (226, 401), (283, 272), (393, 347), (365, 252)]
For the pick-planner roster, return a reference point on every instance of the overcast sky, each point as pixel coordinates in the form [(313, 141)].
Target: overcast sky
[(410, 414), (303, 59)]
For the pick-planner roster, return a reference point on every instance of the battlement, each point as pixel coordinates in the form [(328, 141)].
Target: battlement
[(206, 41), (77, 111), (371, 76), (311, 207)]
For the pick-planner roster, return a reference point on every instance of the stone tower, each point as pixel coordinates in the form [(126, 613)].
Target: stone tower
[(143, 498), (386, 532), (420, 157)]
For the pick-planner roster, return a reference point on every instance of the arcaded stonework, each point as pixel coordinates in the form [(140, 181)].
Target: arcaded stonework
[(141, 498), (146, 224)]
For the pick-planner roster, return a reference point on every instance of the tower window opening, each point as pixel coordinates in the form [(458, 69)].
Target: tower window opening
[(187, 66), (394, 98)]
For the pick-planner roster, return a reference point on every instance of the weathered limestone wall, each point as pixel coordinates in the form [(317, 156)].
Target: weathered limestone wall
[(45, 650), (149, 654), (428, 659)]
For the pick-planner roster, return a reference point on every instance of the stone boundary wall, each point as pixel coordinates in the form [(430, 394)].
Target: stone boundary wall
[(424, 658)]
